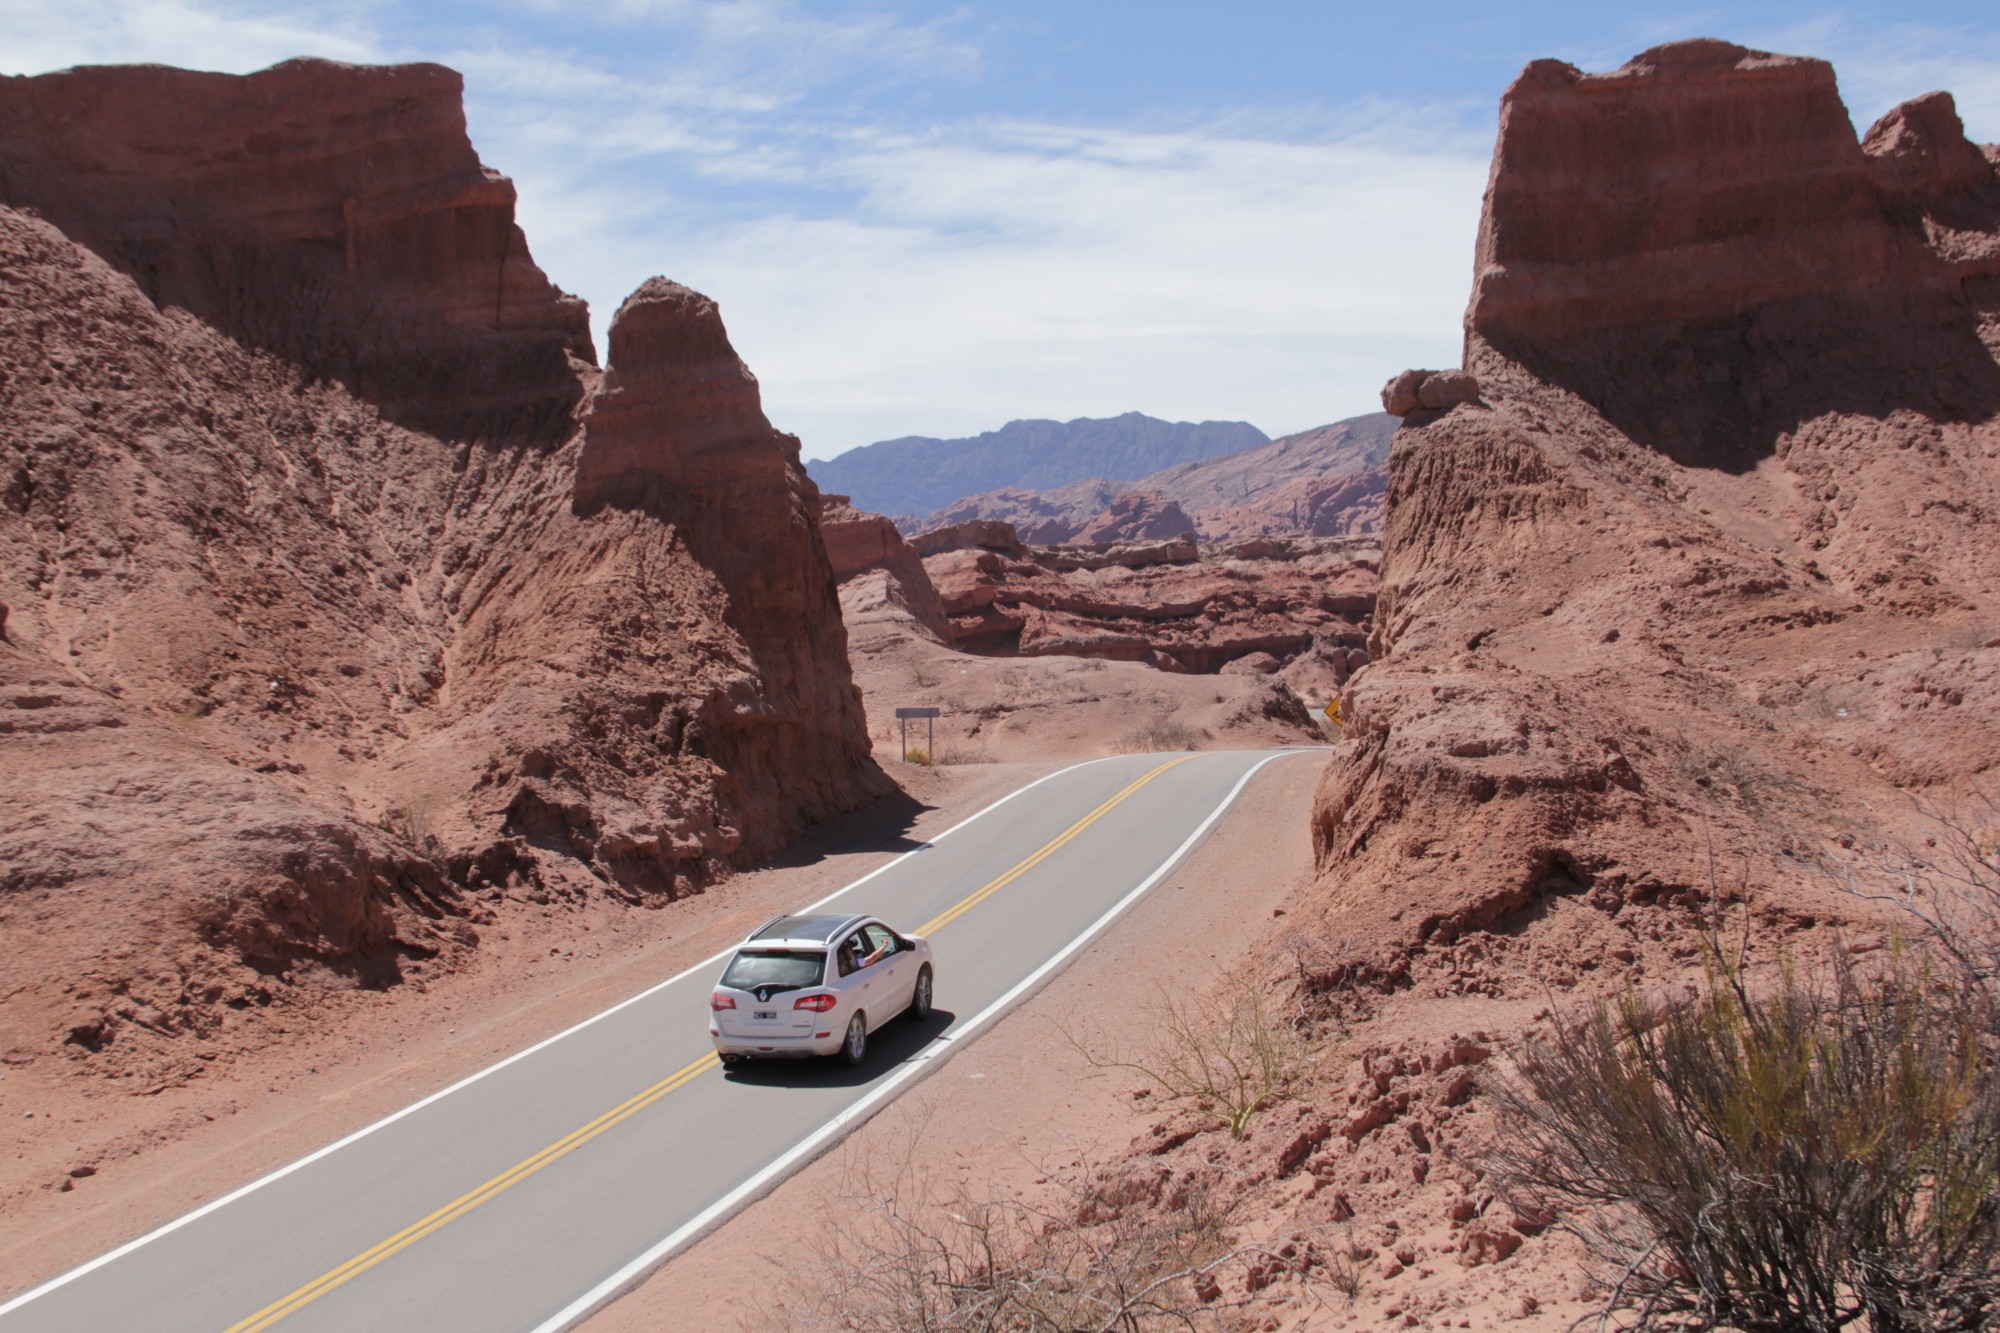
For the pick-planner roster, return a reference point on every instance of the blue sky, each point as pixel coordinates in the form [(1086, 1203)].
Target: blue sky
[(934, 218)]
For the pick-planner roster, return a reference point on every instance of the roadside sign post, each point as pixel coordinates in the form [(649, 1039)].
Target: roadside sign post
[(929, 715)]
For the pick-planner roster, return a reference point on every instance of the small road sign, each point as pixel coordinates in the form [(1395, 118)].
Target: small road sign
[(929, 716), (1332, 709)]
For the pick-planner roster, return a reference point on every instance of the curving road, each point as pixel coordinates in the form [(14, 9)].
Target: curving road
[(536, 1190)]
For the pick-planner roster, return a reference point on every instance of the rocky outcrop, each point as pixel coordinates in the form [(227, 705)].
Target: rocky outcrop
[(1696, 245), (1416, 391), (1137, 516), (1300, 606), (312, 695), (1698, 593), (973, 533), (333, 215), (878, 571)]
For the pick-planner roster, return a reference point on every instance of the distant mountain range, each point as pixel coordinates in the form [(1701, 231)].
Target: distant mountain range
[(917, 474), (1323, 482)]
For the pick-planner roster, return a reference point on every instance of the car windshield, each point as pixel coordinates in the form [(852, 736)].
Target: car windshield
[(786, 969)]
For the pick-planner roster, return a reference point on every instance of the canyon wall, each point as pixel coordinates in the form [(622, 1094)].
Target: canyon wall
[(327, 644), (1704, 583), (334, 215)]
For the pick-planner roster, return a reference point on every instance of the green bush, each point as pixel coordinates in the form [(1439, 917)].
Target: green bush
[(1804, 1156)]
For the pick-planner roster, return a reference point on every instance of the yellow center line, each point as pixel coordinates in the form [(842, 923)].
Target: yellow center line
[(519, 1172), (978, 896)]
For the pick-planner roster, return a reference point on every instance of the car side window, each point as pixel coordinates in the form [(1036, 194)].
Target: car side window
[(880, 938), (848, 955)]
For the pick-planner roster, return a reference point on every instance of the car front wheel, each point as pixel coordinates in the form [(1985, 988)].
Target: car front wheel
[(856, 1045), (920, 999)]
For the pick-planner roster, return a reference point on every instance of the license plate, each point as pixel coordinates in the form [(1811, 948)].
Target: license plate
[(763, 1013)]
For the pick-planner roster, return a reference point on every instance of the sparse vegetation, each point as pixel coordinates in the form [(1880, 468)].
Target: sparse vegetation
[(411, 825), (916, 754), (1226, 1058), (1162, 734), (1814, 1155), (917, 1258)]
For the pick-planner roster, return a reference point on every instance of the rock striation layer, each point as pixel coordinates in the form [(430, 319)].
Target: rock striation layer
[(307, 695), (1298, 605), (1696, 245), (334, 215)]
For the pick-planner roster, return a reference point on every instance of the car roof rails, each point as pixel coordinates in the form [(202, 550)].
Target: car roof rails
[(767, 925)]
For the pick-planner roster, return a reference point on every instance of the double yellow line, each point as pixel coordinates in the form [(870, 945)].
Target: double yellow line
[(514, 1175), (465, 1203), (980, 895)]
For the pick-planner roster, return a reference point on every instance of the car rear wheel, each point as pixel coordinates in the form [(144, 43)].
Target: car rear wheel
[(856, 1045), (920, 999), (734, 1059)]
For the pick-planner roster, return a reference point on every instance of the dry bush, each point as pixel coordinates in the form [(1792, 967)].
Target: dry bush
[(953, 756), (1950, 886), (917, 754), (1809, 1157), (1226, 1057), (909, 1256), (1161, 734)]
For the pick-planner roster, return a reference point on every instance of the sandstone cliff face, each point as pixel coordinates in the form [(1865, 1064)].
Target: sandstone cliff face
[(880, 574), (1696, 245), (1708, 576), (334, 215), (1300, 605), (307, 695)]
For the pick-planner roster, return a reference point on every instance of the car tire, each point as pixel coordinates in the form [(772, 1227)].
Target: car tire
[(920, 998), (734, 1059), (854, 1047)]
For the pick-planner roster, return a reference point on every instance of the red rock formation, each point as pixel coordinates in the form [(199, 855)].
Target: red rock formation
[(308, 694), (1696, 245), (1137, 516), (1703, 579), (1303, 605), (335, 215), (877, 569)]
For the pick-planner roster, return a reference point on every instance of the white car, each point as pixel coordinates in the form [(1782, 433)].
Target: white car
[(817, 985)]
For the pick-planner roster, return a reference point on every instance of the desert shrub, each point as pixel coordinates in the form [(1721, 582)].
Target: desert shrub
[(969, 755), (917, 1259), (1226, 1057), (1804, 1157), (916, 754), (1162, 734)]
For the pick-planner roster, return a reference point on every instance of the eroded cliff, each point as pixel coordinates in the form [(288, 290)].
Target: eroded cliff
[(330, 641)]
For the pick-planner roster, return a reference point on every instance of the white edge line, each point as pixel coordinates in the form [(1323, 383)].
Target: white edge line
[(918, 1064), (359, 1134)]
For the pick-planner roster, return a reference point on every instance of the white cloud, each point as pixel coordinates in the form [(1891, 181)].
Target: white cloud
[(43, 36), (1270, 266)]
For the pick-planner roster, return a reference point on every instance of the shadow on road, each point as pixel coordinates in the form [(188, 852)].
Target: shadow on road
[(888, 1047), (880, 826)]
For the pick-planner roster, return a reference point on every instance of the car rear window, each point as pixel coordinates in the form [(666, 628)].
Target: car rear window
[(774, 967)]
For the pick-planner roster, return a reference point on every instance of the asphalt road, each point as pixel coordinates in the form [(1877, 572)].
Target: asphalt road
[(528, 1194)]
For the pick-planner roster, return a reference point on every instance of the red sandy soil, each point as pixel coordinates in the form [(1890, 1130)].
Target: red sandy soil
[(87, 1164)]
